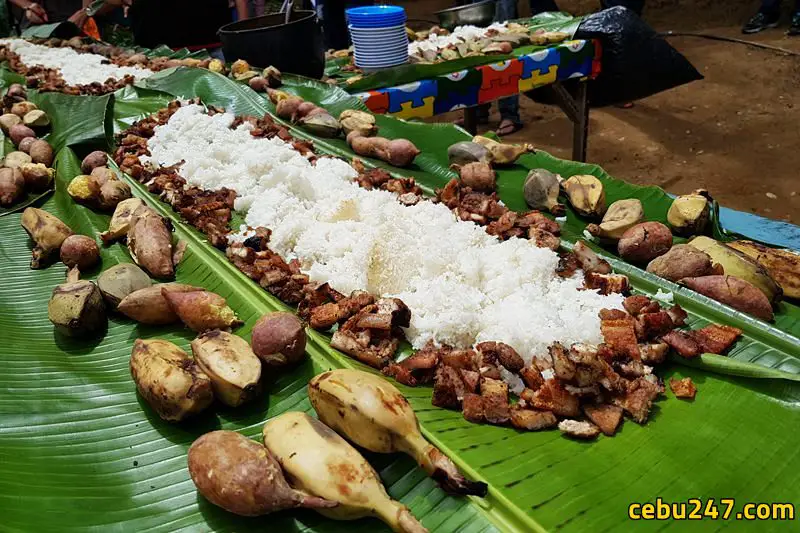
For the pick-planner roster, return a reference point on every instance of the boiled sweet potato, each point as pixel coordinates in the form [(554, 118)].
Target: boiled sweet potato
[(734, 292)]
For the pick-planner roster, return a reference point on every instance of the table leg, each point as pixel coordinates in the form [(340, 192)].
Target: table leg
[(471, 119), (575, 105), (580, 128)]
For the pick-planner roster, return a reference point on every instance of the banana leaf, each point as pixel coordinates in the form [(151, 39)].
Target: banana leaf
[(72, 427), (392, 77), (104, 444)]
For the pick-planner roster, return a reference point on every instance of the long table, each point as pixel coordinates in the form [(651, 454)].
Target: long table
[(576, 61)]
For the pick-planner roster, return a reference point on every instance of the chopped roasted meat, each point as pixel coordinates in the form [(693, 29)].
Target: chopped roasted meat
[(501, 353), (651, 325), (399, 313), (715, 338), (532, 420), (631, 369), (634, 304), (579, 429), (589, 261), (590, 368), (400, 373), (531, 377), (567, 264), (638, 400), (563, 367), (418, 368), (472, 408), (324, 316), (543, 238), (620, 335), (552, 396), (683, 344), (460, 358), (370, 350), (496, 408), (448, 388), (372, 178), (678, 315), (683, 388), (606, 417), (612, 314), (471, 379), (654, 354), (535, 219), (606, 283)]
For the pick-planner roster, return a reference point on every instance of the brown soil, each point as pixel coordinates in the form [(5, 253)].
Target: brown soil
[(736, 133)]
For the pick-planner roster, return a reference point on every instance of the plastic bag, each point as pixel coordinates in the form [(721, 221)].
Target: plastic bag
[(636, 62)]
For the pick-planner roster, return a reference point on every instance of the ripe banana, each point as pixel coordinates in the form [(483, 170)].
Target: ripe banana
[(370, 412), (782, 265), (621, 216), (586, 194), (317, 460), (737, 264), (689, 213)]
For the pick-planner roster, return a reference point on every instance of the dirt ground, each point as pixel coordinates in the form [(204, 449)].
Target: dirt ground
[(736, 133)]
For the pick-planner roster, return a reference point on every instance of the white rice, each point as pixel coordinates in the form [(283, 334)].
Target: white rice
[(462, 285), (76, 68)]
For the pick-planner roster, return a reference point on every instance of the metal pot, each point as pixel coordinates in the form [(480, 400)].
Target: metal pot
[(295, 47), (480, 14)]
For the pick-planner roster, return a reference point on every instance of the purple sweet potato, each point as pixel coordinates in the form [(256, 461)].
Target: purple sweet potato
[(733, 291)]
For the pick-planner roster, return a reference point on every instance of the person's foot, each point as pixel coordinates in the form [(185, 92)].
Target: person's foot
[(760, 22), (507, 127), (794, 27)]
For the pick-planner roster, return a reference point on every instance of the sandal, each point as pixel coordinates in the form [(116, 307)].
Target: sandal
[(507, 127)]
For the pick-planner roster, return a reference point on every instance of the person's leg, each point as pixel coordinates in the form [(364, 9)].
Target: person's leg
[(540, 6), (767, 17), (505, 10), (510, 120), (794, 26)]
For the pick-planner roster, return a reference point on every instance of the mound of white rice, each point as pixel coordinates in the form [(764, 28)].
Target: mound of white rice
[(75, 68), (462, 285)]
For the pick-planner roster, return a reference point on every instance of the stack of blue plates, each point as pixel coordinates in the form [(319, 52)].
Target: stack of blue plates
[(379, 36)]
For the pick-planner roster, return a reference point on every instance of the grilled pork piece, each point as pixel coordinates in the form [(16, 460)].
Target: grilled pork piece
[(606, 283), (496, 408), (654, 354), (448, 388), (715, 338), (620, 335), (589, 261), (606, 417), (639, 399), (683, 344), (501, 353), (579, 429), (683, 388), (552, 396), (531, 420), (472, 408)]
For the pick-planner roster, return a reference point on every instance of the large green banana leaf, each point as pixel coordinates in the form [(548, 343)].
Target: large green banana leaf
[(81, 450), (71, 425)]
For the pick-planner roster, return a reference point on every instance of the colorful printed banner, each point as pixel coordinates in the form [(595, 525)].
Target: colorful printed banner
[(486, 83)]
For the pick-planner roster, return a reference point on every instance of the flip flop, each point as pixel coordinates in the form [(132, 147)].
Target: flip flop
[(507, 127)]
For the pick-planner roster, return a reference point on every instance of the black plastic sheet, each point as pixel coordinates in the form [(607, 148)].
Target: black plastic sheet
[(636, 61)]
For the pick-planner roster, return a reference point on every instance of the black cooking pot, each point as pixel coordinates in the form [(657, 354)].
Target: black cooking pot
[(295, 47)]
